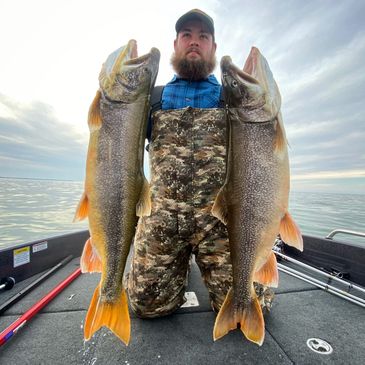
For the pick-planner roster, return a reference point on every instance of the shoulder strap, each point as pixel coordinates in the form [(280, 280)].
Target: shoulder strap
[(155, 100), (222, 102)]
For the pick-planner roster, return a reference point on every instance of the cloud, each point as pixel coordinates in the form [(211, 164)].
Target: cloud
[(330, 175), (315, 50), (34, 143)]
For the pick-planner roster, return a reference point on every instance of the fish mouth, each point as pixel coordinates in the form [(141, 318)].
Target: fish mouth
[(229, 68), (132, 46), (153, 55), (130, 52), (149, 60)]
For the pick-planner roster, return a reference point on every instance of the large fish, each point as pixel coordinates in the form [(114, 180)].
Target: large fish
[(253, 202), (116, 190)]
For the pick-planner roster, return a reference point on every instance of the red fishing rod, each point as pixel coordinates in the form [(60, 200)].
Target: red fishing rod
[(21, 321)]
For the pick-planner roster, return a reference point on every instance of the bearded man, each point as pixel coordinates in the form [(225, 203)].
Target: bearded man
[(187, 151)]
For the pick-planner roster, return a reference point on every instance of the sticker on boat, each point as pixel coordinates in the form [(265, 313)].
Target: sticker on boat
[(21, 256), (40, 246), (191, 300)]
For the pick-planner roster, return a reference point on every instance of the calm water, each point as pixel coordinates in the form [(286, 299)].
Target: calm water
[(36, 209)]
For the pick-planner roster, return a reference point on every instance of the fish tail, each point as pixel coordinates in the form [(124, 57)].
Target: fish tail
[(82, 209), (90, 260), (143, 207), (114, 315), (290, 232), (250, 318), (252, 322), (268, 274), (226, 318), (94, 117)]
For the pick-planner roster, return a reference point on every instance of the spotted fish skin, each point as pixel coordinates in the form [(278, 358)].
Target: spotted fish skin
[(253, 201), (116, 190)]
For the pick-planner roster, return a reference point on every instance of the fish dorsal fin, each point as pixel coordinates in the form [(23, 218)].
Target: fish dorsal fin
[(220, 209), (90, 261), (82, 209), (290, 232), (94, 116), (114, 315), (268, 273), (143, 207)]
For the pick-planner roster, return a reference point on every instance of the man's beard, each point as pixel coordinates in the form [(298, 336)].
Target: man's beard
[(192, 69)]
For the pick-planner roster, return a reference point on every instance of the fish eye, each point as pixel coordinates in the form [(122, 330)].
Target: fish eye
[(234, 83)]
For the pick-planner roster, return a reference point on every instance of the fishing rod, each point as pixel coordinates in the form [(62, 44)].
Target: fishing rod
[(320, 284), (11, 330), (14, 299)]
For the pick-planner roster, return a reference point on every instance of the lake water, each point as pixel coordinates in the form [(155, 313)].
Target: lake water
[(37, 209)]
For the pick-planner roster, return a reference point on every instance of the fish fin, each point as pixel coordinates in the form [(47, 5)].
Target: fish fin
[(143, 206), (268, 273), (219, 209), (252, 322), (290, 232), (90, 260), (94, 117), (280, 139), (226, 318), (82, 209), (115, 316)]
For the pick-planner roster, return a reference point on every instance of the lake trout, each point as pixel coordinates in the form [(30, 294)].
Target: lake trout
[(253, 202), (116, 190)]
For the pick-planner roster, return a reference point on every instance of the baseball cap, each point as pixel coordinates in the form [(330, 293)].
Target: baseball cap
[(195, 14)]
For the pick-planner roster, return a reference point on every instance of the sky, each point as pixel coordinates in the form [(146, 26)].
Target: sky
[(52, 52)]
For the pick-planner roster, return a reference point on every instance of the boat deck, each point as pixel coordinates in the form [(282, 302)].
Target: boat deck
[(300, 311)]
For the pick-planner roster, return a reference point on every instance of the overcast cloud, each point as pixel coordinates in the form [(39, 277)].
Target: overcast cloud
[(53, 51)]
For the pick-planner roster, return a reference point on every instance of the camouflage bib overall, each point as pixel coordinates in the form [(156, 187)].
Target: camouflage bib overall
[(187, 159)]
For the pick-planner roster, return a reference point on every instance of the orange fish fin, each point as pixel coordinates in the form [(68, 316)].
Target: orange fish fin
[(220, 209), (143, 206), (82, 209), (268, 273), (226, 318), (90, 260), (115, 316), (280, 138), (290, 232), (252, 322), (94, 117)]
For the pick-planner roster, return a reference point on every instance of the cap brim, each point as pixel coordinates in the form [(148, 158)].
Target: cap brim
[(194, 16)]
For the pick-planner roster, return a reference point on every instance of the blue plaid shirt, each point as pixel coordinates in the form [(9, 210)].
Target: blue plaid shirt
[(180, 93)]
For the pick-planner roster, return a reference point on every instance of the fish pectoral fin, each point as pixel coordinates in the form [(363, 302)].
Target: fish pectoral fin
[(290, 232), (90, 261), (280, 141), (252, 322), (226, 318), (268, 273), (82, 209), (115, 316), (143, 207), (220, 209), (94, 117)]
